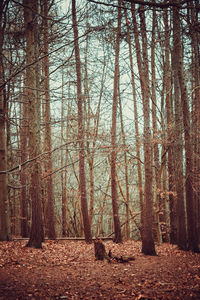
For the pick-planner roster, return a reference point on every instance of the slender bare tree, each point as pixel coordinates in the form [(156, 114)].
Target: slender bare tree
[(117, 227), (4, 209), (82, 180)]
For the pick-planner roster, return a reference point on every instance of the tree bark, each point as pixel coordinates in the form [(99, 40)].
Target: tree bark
[(190, 204), (4, 207), (64, 158), (117, 227), (23, 173), (193, 19), (148, 246), (139, 170), (36, 235), (50, 218), (178, 154), (155, 134), (127, 226), (83, 193), (167, 81)]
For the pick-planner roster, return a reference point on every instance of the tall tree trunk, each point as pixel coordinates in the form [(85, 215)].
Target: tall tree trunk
[(190, 205), (178, 155), (47, 117), (64, 171), (117, 227), (127, 225), (88, 113), (4, 208), (167, 81), (148, 246), (155, 134), (139, 171), (83, 193), (193, 18), (30, 20), (23, 173)]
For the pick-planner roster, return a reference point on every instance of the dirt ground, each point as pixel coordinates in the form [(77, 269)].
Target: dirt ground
[(68, 270)]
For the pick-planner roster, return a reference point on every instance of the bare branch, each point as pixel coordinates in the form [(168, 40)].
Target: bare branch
[(148, 3)]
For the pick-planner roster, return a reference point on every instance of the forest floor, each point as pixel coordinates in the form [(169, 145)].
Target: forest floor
[(68, 270)]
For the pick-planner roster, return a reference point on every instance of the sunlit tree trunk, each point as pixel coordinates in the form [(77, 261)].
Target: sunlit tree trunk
[(83, 193), (4, 208), (117, 227), (30, 20)]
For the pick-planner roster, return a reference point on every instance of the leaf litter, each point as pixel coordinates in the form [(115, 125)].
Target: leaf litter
[(68, 270)]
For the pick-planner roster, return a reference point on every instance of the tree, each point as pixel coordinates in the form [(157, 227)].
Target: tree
[(190, 200), (139, 169), (148, 246), (23, 173), (117, 227), (167, 85), (155, 131), (82, 181), (31, 31), (4, 207), (64, 173), (47, 118), (192, 19), (178, 153)]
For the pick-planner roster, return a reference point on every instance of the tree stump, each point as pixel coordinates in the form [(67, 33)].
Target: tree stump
[(100, 253), (99, 249)]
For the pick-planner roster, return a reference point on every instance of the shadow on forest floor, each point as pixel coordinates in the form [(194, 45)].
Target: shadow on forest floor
[(68, 270)]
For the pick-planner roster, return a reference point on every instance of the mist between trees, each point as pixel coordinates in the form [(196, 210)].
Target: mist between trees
[(99, 121)]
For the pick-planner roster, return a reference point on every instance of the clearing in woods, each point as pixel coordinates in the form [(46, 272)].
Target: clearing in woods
[(68, 270)]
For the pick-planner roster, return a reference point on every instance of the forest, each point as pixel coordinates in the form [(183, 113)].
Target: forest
[(99, 121), (99, 149)]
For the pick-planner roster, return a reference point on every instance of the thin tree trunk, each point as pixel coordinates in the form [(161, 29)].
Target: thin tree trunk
[(64, 172), (117, 227), (139, 171), (4, 209), (83, 193), (88, 132), (127, 226), (167, 79), (155, 133), (23, 173)]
